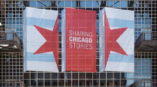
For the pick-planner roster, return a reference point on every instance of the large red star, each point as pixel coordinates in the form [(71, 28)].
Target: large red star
[(111, 36), (51, 44)]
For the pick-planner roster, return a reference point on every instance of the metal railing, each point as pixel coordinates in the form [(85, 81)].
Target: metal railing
[(12, 84)]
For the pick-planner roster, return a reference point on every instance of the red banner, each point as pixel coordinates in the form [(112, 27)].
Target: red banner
[(80, 40)]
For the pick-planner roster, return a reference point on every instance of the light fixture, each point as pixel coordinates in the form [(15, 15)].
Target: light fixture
[(0, 24), (15, 46), (4, 45)]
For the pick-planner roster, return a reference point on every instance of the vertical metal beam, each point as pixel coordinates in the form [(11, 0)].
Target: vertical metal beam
[(78, 4)]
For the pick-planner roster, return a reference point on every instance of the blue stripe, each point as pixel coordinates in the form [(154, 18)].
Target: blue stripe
[(40, 57), (121, 23), (50, 23), (40, 22), (116, 57)]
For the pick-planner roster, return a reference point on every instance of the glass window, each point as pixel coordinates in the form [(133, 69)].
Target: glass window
[(116, 3), (143, 22), (20, 4), (40, 3), (131, 3), (90, 4), (136, 4), (143, 68), (66, 4)]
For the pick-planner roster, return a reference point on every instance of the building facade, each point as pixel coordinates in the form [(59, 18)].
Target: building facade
[(11, 55)]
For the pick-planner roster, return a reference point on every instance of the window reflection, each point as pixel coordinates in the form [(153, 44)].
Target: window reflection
[(66, 4), (143, 70), (40, 3), (90, 4), (117, 3), (143, 24)]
